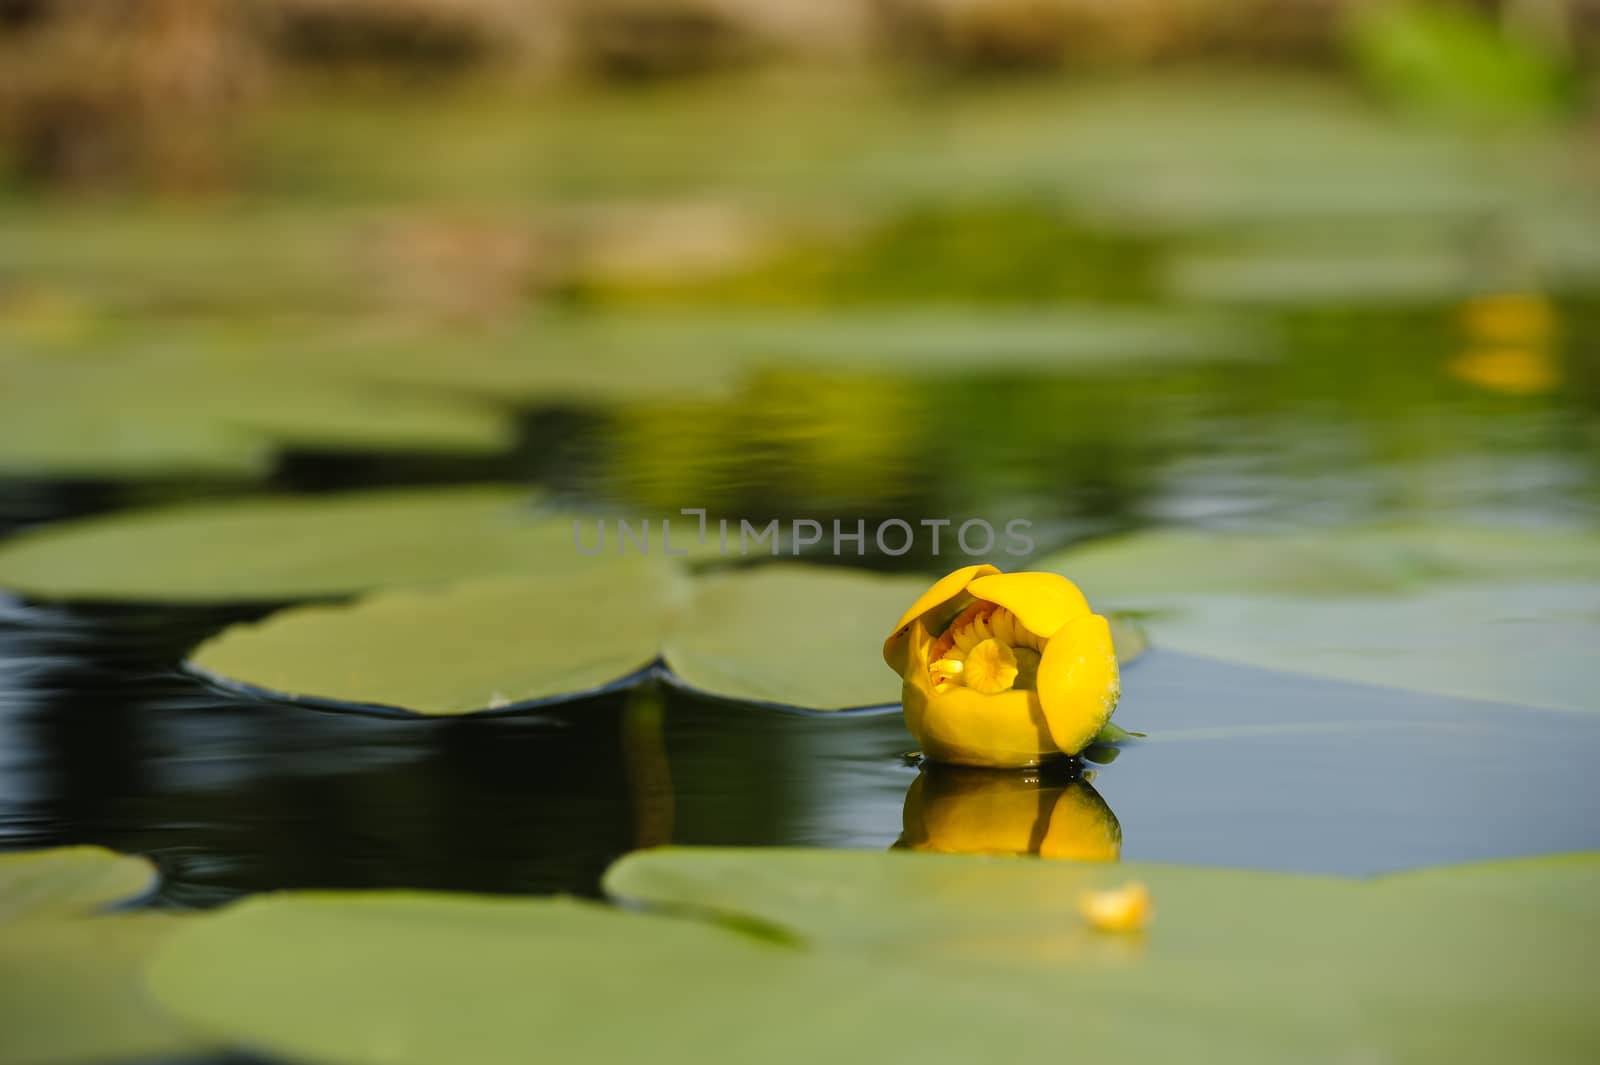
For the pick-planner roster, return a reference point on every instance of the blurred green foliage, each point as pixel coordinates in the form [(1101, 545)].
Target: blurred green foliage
[(1454, 60)]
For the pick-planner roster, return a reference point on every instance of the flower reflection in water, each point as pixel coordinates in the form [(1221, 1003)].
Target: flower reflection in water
[(1049, 811)]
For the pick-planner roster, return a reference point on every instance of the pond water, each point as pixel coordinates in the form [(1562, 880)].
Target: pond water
[(103, 739), (1195, 311), (105, 743)]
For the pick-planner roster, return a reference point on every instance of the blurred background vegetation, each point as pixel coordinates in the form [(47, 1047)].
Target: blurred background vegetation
[(1104, 263), (149, 92)]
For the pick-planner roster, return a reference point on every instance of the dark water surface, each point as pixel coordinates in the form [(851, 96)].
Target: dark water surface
[(1360, 418), (103, 740)]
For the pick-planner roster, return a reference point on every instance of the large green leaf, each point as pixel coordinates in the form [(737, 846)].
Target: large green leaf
[(799, 635), (74, 994), (492, 643), (923, 339), (415, 979), (789, 635), (277, 549), (1361, 276), (1504, 615), (792, 635), (1149, 565), (1530, 644), (155, 416), (69, 881), (1401, 964)]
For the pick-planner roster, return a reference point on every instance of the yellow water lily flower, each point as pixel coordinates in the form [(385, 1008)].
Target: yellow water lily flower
[(958, 810), (1003, 669)]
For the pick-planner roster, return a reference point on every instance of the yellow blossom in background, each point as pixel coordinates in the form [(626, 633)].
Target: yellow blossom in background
[(1510, 344), (1515, 318), (1509, 371), (1003, 669), (1124, 909)]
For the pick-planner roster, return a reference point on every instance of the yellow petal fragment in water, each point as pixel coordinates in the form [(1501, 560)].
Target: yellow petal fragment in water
[(1042, 602), (1124, 909), (1078, 682)]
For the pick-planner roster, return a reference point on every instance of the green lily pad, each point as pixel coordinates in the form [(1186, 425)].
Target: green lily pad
[(494, 643), (792, 635), (382, 979), (797, 636), (807, 636), (1476, 614), (69, 881), (1531, 644), (921, 340), (279, 549), (1398, 962), (152, 416), (1149, 565), (1352, 277), (74, 993)]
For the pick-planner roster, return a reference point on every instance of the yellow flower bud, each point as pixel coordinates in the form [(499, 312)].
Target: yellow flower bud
[(1003, 669)]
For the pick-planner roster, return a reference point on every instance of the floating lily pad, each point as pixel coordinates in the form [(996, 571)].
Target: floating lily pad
[(69, 881), (1530, 644), (805, 636), (1353, 277), (382, 979), (948, 339), (1398, 961), (494, 643), (797, 636), (74, 993), (279, 549), (1148, 565), (138, 417), (1500, 615), (792, 635)]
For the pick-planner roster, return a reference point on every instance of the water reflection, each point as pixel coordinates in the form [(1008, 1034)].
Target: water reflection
[(1509, 344), (1051, 811)]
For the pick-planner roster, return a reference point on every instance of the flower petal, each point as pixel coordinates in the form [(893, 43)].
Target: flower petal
[(947, 588), (965, 727), (1078, 682), (1043, 602)]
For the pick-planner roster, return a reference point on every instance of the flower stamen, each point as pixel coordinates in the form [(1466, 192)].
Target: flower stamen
[(991, 667)]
